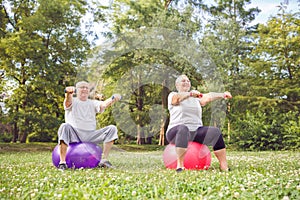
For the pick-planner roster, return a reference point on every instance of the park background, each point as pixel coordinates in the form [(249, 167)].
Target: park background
[(48, 45)]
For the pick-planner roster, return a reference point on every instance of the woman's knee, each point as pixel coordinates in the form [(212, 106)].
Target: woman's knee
[(219, 142), (175, 131), (182, 129)]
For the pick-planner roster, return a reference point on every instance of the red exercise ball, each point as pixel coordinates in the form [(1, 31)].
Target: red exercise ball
[(197, 156)]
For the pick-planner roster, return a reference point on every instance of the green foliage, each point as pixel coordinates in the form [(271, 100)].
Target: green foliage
[(262, 131), (275, 59), (5, 137), (140, 73), (41, 47), (291, 133)]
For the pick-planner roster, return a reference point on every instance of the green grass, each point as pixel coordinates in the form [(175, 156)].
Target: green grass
[(27, 173)]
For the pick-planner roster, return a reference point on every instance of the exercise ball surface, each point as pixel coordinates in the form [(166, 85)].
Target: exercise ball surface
[(79, 155), (197, 157)]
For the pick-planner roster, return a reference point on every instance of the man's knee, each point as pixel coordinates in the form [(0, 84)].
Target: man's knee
[(66, 126), (62, 142), (113, 129)]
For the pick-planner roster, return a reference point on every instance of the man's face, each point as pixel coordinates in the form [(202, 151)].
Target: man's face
[(83, 91)]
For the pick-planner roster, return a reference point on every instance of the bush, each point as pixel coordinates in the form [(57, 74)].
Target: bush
[(291, 134), (261, 131), (39, 137), (6, 137)]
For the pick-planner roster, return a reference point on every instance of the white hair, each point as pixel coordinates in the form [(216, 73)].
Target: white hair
[(178, 80), (78, 84)]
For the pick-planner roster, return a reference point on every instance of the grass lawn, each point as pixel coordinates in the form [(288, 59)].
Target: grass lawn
[(27, 173)]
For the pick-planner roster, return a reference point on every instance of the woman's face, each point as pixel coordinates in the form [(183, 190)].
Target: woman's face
[(184, 84)]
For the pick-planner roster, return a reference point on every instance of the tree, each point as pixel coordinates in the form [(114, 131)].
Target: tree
[(226, 39), (137, 28), (271, 102), (276, 57), (40, 48)]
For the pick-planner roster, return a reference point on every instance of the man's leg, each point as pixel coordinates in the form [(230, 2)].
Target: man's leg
[(106, 149), (66, 134), (63, 151), (107, 135)]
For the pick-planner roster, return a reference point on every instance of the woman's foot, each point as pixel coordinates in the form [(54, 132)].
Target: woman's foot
[(227, 169), (178, 170)]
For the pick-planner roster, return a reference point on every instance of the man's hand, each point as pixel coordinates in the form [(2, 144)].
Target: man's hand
[(116, 97), (70, 90)]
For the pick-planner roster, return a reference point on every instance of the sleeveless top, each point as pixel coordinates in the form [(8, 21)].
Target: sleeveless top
[(188, 112)]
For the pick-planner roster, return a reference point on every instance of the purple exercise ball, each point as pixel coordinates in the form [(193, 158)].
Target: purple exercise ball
[(79, 155)]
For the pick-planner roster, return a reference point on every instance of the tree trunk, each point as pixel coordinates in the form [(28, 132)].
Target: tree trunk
[(164, 105), (149, 140), (162, 134), (15, 132), (15, 128), (140, 136), (25, 131), (228, 124), (140, 104)]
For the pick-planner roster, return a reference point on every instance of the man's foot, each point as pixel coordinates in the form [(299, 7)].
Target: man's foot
[(62, 166), (106, 164)]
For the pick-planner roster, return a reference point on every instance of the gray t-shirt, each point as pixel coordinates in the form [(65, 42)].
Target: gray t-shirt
[(188, 112), (82, 114)]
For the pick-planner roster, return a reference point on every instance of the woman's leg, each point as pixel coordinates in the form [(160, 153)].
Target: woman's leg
[(179, 135), (212, 136), (221, 156)]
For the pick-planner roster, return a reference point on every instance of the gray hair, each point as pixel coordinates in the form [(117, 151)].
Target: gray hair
[(78, 84), (178, 80)]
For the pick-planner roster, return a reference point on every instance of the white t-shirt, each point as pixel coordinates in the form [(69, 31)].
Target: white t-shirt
[(188, 112), (82, 114)]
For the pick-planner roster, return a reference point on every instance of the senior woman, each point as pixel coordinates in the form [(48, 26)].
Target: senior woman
[(186, 125)]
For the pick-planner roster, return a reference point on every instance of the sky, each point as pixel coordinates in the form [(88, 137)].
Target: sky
[(267, 7)]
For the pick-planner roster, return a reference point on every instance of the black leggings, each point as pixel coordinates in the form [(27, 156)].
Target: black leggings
[(208, 135)]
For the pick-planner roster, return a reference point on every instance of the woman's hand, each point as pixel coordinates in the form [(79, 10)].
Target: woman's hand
[(227, 95), (195, 93)]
